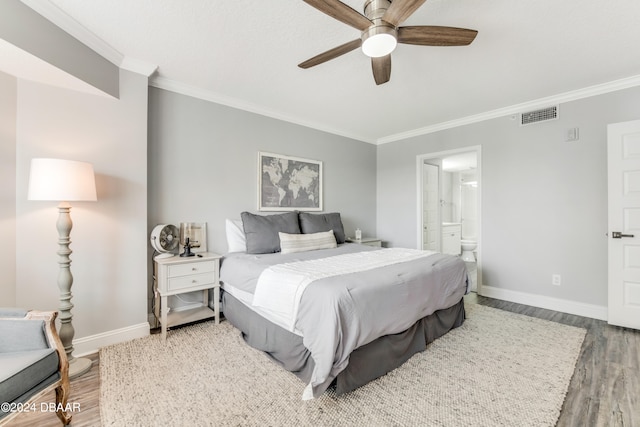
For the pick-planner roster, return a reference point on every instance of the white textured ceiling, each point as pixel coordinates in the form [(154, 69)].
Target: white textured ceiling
[(245, 53)]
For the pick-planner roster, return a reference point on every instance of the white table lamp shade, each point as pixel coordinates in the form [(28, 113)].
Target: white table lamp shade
[(61, 180)]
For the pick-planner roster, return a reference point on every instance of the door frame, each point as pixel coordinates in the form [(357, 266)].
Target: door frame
[(420, 180)]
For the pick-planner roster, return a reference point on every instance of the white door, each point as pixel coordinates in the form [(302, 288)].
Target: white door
[(431, 207), (624, 224)]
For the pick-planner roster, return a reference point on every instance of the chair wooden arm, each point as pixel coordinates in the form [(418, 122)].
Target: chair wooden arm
[(62, 386)]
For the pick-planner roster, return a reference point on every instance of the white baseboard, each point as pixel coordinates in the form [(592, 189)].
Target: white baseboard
[(564, 306), (91, 344)]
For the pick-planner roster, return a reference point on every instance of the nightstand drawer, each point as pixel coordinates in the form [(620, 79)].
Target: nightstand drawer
[(191, 268), (191, 281)]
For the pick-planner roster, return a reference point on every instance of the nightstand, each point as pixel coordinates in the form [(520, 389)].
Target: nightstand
[(176, 275), (368, 241)]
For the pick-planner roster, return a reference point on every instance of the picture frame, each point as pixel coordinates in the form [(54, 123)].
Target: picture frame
[(197, 233), (287, 183)]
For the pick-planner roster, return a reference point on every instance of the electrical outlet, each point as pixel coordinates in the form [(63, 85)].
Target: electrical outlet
[(556, 279), (572, 134)]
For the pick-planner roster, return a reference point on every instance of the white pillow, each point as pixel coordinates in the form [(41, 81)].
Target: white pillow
[(236, 240), (291, 243)]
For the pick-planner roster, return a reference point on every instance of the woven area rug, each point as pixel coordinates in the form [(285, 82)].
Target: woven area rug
[(498, 369)]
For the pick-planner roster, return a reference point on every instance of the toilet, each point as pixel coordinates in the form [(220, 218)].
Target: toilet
[(468, 246)]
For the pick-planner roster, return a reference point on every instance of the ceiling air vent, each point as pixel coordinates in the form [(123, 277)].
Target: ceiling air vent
[(536, 116)]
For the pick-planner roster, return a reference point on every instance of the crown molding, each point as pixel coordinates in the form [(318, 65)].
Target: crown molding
[(599, 89), (58, 17), (138, 66), (195, 92), (586, 92)]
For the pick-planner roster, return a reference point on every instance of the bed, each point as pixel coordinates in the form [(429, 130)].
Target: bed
[(335, 313)]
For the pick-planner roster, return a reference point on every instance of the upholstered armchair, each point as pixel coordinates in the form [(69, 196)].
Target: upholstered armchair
[(33, 362)]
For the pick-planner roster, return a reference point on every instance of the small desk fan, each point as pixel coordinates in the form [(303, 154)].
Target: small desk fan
[(165, 238)]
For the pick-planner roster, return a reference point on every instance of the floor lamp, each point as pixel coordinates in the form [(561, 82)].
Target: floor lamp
[(64, 181)]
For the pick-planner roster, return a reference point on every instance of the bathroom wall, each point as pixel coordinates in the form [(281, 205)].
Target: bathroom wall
[(458, 202), (467, 194), (449, 210)]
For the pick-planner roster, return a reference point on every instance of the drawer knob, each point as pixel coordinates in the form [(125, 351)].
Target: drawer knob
[(194, 269)]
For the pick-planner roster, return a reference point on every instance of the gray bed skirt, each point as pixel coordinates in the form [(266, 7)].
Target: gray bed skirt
[(365, 363)]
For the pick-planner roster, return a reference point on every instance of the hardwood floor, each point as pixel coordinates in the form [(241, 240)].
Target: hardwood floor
[(604, 390), (605, 387), (85, 392)]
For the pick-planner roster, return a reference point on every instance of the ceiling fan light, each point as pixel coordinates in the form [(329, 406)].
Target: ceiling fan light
[(379, 41), (379, 45)]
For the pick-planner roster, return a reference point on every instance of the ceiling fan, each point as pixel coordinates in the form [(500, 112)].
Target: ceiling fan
[(381, 32)]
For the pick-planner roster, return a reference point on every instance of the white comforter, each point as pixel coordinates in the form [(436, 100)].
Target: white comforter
[(281, 286)]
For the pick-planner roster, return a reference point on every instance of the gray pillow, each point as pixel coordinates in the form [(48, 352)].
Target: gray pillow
[(316, 223), (262, 231), (22, 335)]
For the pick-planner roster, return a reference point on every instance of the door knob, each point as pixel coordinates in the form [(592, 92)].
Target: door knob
[(619, 235)]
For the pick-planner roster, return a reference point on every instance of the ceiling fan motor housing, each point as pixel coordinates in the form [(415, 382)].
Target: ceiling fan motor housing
[(374, 9)]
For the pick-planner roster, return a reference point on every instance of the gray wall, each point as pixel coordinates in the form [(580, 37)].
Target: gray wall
[(544, 201), (109, 238), (203, 161), (8, 99), (203, 167)]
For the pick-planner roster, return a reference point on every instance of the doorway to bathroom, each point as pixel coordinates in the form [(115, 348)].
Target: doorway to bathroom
[(449, 200)]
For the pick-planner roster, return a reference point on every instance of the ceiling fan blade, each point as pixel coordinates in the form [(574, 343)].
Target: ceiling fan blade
[(400, 10), (436, 36), (331, 54), (381, 69), (340, 11)]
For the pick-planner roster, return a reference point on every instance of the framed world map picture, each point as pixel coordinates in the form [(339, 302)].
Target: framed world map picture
[(289, 183)]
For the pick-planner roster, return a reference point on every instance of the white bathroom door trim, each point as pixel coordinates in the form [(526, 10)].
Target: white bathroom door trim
[(419, 181), (623, 161), (432, 204)]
